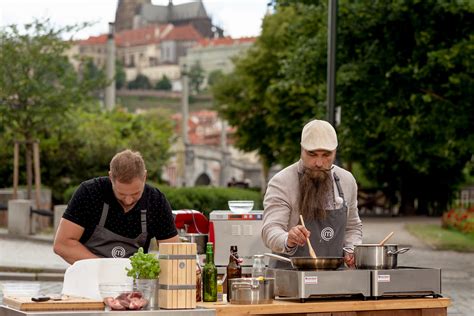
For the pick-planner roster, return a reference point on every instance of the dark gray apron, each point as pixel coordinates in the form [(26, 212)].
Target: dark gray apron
[(105, 243), (327, 235)]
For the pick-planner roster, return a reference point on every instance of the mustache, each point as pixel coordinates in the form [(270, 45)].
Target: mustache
[(316, 173), (318, 169)]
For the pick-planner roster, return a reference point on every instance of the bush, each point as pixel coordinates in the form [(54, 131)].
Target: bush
[(164, 84), (207, 199), (203, 199), (460, 218), (68, 193), (140, 82)]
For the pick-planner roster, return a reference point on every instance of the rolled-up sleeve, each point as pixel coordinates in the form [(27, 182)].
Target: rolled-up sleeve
[(278, 216)]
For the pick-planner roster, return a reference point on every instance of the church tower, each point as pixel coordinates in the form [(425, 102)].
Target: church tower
[(126, 10)]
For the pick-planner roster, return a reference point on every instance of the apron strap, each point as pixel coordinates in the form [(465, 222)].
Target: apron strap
[(103, 217), (338, 185), (143, 220)]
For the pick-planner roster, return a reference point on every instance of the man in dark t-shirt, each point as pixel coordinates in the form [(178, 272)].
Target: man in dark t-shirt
[(114, 216)]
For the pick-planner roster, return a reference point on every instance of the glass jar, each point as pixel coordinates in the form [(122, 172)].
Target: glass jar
[(258, 267)]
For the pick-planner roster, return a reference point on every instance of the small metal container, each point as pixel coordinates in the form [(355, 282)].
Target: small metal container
[(373, 256), (252, 290), (199, 239)]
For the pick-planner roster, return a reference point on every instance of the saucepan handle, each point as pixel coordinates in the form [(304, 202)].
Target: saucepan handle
[(281, 258), (348, 249), (400, 251), (241, 286)]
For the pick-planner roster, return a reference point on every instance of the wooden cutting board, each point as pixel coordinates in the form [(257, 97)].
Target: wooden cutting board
[(67, 303)]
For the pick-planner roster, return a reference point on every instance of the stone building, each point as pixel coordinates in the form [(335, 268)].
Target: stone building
[(217, 54), (132, 14), (153, 50)]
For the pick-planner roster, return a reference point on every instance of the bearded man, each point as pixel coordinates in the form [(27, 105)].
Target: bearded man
[(323, 193)]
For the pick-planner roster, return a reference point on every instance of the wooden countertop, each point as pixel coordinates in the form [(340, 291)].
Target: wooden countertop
[(283, 306)]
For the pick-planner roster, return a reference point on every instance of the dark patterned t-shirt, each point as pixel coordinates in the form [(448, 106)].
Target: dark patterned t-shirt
[(85, 209)]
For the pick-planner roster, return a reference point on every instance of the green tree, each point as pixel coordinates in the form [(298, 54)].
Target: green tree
[(404, 82), (81, 146), (406, 76), (120, 76), (214, 77), (140, 82), (163, 84), (261, 101), (38, 85), (196, 77)]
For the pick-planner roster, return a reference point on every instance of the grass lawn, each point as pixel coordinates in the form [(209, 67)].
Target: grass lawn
[(441, 238)]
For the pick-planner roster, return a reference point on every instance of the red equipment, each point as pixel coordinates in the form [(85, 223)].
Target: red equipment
[(191, 221)]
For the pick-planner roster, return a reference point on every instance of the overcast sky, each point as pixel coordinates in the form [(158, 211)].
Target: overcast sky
[(237, 17)]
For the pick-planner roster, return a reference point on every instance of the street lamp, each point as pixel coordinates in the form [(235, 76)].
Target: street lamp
[(110, 69), (188, 153), (185, 103), (331, 59)]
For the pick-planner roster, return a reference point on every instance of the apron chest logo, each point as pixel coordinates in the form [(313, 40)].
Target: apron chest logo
[(118, 252), (327, 233)]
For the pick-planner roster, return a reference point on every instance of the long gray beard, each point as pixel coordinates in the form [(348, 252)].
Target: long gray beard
[(315, 188)]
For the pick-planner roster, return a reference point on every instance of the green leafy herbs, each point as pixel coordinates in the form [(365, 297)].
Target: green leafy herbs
[(144, 265)]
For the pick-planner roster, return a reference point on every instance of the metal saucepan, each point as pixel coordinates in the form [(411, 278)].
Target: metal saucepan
[(374, 256), (199, 239), (309, 263), (252, 290)]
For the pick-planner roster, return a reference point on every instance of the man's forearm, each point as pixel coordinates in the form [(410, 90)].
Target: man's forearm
[(72, 251)]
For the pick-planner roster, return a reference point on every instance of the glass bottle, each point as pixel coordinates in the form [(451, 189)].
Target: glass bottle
[(234, 270), (258, 267), (209, 276)]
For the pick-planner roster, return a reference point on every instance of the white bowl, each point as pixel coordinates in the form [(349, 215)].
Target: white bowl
[(240, 207), (21, 289)]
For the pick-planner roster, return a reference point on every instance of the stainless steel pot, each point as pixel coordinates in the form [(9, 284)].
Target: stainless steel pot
[(252, 290), (199, 239), (373, 256)]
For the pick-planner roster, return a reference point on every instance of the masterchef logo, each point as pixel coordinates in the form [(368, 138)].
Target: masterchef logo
[(118, 252), (327, 233)]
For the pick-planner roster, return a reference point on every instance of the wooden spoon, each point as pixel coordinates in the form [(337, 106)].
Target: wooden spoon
[(385, 239), (311, 250)]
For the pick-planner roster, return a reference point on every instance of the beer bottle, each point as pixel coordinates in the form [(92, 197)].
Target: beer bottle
[(234, 270), (209, 276)]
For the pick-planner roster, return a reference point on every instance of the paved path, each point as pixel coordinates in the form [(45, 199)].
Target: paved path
[(457, 268)]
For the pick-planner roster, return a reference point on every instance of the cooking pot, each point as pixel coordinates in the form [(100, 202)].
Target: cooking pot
[(252, 290), (374, 256), (310, 263), (199, 239)]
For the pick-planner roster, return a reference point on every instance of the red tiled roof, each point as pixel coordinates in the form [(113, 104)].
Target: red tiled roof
[(225, 41), (94, 40), (183, 33), (147, 35), (202, 128)]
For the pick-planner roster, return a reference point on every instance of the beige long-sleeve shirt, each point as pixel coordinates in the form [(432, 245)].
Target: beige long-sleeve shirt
[(281, 205)]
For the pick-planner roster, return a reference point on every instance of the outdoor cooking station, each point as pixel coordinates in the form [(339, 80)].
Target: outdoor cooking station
[(365, 284), (335, 307), (340, 292)]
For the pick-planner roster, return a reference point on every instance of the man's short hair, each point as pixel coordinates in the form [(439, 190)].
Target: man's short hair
[(127, 165)]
